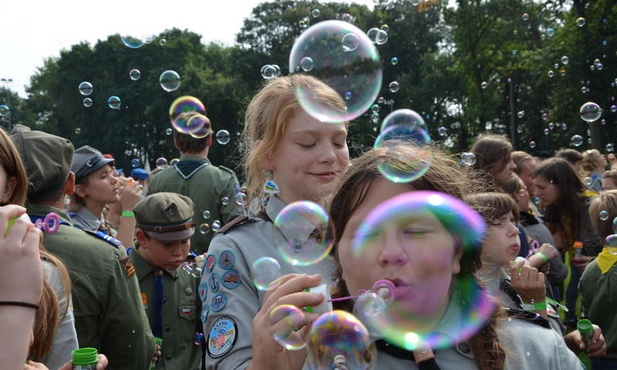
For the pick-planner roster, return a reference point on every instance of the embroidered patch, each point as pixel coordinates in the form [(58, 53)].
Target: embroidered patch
[(204, 313), (214, 281), (129, 269), (209, 263), (203, 290), (222, 337), (227, 260), (231, 279), (144, 301), (187, 312), (218, 302)]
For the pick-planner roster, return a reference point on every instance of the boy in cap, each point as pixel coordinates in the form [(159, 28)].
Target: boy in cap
[(105, 292), (164, 228)]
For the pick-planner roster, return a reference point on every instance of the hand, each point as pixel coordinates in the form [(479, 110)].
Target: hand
[(267, 353), (548, 250), (581, 262), (130, 194), (422, 353), (32, 365), (21, 269), (157, 353), (528, 282), (100, 365), (597, 346)]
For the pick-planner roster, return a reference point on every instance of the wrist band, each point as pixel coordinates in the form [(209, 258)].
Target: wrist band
[(543, 256), (540, 306), (20, 304), (127, 214)]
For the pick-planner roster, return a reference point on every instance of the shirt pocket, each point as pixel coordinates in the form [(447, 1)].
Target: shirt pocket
[(187, 312)]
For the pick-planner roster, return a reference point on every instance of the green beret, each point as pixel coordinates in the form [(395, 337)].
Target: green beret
[(47, 159), (166, 216)]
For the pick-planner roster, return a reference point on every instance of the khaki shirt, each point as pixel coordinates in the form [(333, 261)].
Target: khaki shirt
[(106, 302), (180, 314), (230, 298), (206, 187)]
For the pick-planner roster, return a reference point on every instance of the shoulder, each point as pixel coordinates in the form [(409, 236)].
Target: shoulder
[(226, 173)]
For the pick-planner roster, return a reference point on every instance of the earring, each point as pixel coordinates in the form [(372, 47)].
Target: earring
[(270, 187)]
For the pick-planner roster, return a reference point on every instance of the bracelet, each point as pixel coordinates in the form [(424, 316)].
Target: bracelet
[(540, 306), (543, 256), (20, 304), (127, 214)]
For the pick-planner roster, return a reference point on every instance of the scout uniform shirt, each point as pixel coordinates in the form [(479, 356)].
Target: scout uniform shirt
[(107, 307), (230, 298), (180, 314), (213, 190)]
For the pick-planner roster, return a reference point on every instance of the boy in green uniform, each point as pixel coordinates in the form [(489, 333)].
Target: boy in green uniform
[(105, 292), (169, 294)]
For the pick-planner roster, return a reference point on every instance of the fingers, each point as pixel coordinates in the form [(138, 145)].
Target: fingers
[(289, 290)]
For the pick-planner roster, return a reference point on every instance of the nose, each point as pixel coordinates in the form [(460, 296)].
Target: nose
[(328, 154), (512, 165), (392, 253), (514, 230)]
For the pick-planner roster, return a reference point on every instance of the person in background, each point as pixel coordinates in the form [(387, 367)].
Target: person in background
[(169, 294), (96, 187), (107, 307), (525, 164), (609, 180), (574, 157), (494, 161), (594, 165), (212, 188)]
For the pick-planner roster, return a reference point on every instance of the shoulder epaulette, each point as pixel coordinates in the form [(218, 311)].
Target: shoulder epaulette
[(227, 170), (101, 235)]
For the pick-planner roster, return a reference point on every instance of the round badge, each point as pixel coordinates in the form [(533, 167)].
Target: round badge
[(222, 337)]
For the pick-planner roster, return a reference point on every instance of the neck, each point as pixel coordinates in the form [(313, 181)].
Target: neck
[(95, 208), (203, 153)]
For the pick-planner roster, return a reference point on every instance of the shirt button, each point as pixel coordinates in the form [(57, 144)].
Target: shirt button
[(168, 328)]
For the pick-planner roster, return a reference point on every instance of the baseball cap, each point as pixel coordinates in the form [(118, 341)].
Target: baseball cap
[(139, 174), (166, 216), (87, 160)]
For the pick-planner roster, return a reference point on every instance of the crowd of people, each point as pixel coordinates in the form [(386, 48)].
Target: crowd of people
[(465, 265)]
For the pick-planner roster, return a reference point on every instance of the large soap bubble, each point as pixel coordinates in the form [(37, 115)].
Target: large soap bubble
[(343, 57)]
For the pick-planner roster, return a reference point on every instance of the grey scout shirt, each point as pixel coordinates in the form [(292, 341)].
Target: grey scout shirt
[(230, 298)]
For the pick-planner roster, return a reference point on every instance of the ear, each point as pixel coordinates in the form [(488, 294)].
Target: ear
[(69, 185), (141, 237), (267, 163), (9, 188), (80, 190), (458, 255)]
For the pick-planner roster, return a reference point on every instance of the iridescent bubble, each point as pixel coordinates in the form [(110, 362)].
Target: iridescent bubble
[(338, 340), (77, 130), (223, 137), (198, 126), (85, 88), (415, 2), (394, 86), (133, 42), (4, 110), (615, 225), (520, 114), (240, 199), (550, 74), (610, 147), (565, 60), (168, 132), (442, 131), (161, 162), (468, 158), (350, 42), (484, 85), (525, 17), (135, 162), (87, 102), (613, 108), (603, 215), (580, 22), (590, 112), (403, 117), (315, 13), (307, 64), (546, 131), (270, 71), (265, 271), (308, 229), (114, 102), (576, 140), (135, 74), (170, 80), (206, 214), (409, 136), (550, 32), (162, 42), (346, 17), (377, 36), (355, 75), (225, 201), (174, 161), (404, 321), (204, 228), (216, 225), (288, 320), (181, 111), (532, 144), (394, 61)]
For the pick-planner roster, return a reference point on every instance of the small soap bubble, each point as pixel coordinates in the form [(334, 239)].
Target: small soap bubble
[(550, 74), (288, 320), (168, 131), (269, 71), (532, 144), (315, 13), (603, 215), (198, 126), (394, 61), (133, 42), (225, 201), (576, 140), (580, 22), (170, 80), (615, 225), (135, 162), (85, 88), (174, 161), (135, 74), (415, 2), (87, 102), (182, 110), (206, 214), (590, 112), (162, 42), (223, 137), (610, 147), (265, 271), (346, 60), (565, 60), (484, 85), (520, 114), (468, 159), (377, 36), (77, 130), (161, 162), (240, 199), (394, 86), (346, 17), (550, 32), (204, 228), (216, 225), (442, 131), (525, 17), (114, 102), (310, 226), (338, 340)]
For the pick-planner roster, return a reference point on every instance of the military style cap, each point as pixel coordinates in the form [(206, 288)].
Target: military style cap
[(166, 216), (46, 173), (87, 160), (139, 174)]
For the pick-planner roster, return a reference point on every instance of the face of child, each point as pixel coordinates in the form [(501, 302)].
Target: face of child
[(546, 191), (522, 197), (501, 243), (168, 255), (416, 253), (309, 159), (505, 174), (102, 187), (7, 186)]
